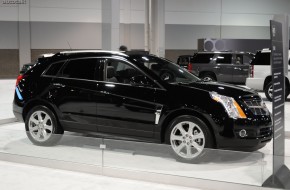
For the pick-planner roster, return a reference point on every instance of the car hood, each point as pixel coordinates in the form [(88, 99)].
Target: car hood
[(222, 88)]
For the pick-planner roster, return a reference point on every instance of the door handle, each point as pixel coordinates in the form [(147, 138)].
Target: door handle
[(216, 67), (58, 85), (237, 68)]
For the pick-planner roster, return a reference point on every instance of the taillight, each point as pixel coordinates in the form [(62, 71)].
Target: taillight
[(252, 71), (189, 67), (19, 78)]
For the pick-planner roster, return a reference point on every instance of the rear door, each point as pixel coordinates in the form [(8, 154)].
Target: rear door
[(73, 91)]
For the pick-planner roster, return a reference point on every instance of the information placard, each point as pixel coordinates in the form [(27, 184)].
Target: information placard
[(278, 81)]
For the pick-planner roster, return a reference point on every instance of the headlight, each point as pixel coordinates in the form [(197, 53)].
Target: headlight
[(231, 106)]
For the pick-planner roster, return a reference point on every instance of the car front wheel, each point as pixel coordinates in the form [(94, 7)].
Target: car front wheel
[(41, 127), (188, 137)]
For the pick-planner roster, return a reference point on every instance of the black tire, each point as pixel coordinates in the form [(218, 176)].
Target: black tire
[(208, 77), (47, 132), (208, 141), (269, 96), (267, 91)]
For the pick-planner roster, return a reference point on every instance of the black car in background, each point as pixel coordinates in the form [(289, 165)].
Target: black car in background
[(139, 96), (230, 67)]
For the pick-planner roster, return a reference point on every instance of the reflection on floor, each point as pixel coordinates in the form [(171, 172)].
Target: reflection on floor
[(248, 168)]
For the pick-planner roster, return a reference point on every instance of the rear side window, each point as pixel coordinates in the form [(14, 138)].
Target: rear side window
[(54, 68), (80, 69), (224, 59), (183, 61), (202, 58), (261, 59)]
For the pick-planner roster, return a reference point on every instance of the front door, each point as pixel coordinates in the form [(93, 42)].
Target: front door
[(125, 104)]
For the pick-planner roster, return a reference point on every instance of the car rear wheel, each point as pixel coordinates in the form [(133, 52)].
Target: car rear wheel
[(42, 128), (188, 137)]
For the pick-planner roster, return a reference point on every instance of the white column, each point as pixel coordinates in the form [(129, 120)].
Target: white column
[(24, 38), (146, 26), (157, 27), (110, 24)]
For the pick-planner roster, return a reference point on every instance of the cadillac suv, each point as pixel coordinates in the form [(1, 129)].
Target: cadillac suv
[(138, 96)]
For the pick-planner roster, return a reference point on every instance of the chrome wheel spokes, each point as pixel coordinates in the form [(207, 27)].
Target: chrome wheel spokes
[(187, 139), (40, 126)]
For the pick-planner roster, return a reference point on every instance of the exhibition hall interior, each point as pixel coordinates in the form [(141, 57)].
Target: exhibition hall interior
[(147, 94)]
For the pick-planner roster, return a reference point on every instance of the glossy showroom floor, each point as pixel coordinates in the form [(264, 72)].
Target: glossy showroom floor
[(248, 168)]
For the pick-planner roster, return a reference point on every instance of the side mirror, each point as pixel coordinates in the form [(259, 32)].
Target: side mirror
[(140, 80)]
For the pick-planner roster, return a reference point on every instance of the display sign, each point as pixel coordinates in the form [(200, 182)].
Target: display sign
[(281, 174), (278, 81)]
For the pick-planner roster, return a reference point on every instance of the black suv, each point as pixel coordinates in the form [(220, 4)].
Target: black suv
[(230, 67), (139, 96)]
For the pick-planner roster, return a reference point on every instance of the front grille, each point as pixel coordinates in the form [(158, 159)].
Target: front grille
[(256, 106), (265, 132)]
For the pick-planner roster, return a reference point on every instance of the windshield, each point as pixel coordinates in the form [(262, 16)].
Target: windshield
[(166, 70)]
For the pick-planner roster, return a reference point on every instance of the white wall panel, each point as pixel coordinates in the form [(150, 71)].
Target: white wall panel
[(242, 32), (246, 20), (8, 35), (192, 18), (65, 15), (45, 35), (256, 6), (185, 36), (193, 5), (8, 13), (73, 4)]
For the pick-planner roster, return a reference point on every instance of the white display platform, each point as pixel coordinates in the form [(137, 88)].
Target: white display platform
[(78, 153)]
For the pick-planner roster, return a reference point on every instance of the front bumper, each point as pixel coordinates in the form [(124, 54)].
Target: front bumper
[(259, 132), (17, 110)]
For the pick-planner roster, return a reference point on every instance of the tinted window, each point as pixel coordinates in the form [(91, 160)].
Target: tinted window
[(247, 59), (80, 69), (224, 58), (202, 58), (54, 68), (261, 59), (120, 72), (165, 69), (183, 61)]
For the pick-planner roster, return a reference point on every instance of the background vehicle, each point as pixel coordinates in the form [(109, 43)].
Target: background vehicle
[(231, 67), (139, 96), (261, 78)]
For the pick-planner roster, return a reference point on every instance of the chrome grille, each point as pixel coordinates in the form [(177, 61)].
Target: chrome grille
[(256, 106), (265, 132)]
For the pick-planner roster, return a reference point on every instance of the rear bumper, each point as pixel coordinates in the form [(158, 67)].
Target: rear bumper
[(17, 110)]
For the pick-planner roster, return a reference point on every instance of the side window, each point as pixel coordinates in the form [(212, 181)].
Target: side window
[(224, 59), (120, 72), (203, 58), (80, 69), (262, 59), (247, 59), (54, 68), (239, 59), (183, 61)]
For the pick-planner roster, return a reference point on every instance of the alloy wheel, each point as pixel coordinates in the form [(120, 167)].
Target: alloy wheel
[(40, 126), (270, 91), (187, 140)]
